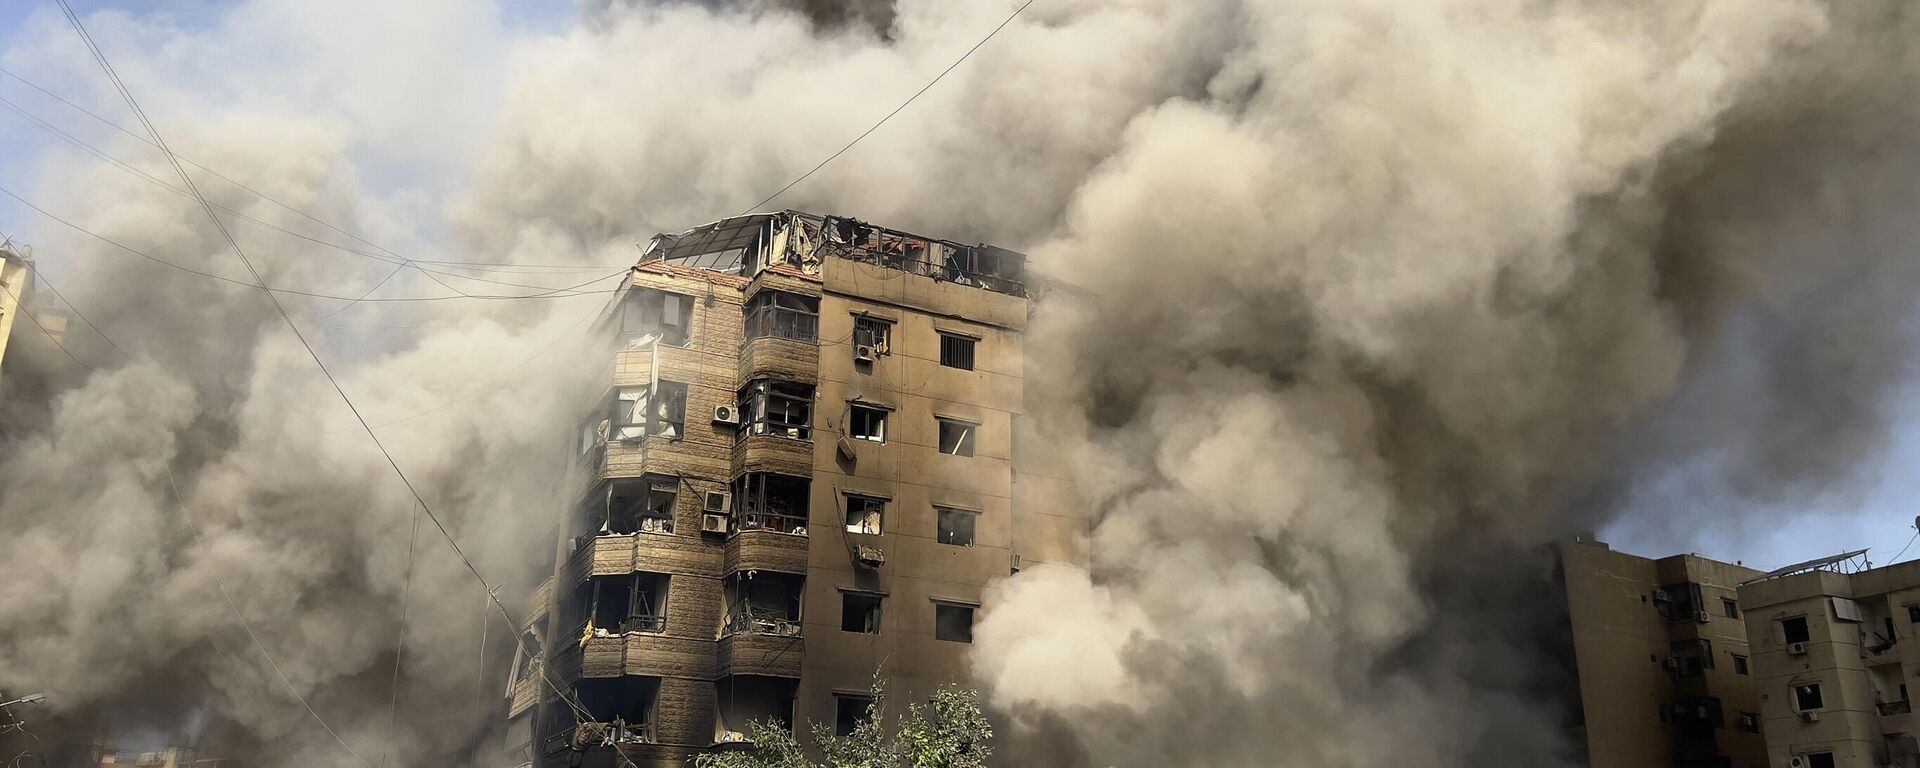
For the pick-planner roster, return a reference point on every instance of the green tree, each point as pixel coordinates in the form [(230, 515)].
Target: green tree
[(948, 732)]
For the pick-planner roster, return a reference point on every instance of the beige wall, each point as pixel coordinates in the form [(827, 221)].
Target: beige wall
[(1621, 644)]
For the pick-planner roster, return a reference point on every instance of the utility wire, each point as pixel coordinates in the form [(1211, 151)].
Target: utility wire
[(505, 613), (1903, 550), (223, 177), (400, 644), (554, 293), (388, 256), (896, 110)]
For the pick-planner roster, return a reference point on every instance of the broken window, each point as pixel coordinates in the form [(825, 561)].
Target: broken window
[(772, 502), (849, 711), (1820, 760), (863, 513), (635, 505), (624, 705), (783, 315), (1681, 603), (866, 422), (1794, 629), (648, 315), (860, 612), (631, 603), (1730, 608), (764, 603), (872, 333), (1695, 656), (783, 408), (956, 436), (956, 351), (956, 525), (1806, 697), (632, 413), (953, 622), (1740, 665)]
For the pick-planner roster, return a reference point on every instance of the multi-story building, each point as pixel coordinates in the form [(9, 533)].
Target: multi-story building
[(810, 459), (1660, 653), (16, 270), (1834, 651)]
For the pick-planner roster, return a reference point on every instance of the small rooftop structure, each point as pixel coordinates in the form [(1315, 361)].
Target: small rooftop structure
[(746, 245), (1840, 563)]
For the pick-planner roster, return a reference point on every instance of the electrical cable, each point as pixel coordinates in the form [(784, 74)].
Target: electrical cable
[(388, 257), (216, 174), (400, 644), (452, 543), (896, 110), (555, 293), (1903, 550)]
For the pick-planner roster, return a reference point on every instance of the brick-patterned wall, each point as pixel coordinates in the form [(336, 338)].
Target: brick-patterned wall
[(766, 551), (769, 655), (684, 714), (780, 455), (779, 358)]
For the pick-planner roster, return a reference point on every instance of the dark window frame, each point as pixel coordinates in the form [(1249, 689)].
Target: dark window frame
[(757, 508), (783, 315), (874, 332), (945, 616), (646, 310), (1729, 608), (859, 703), (1787, 630), (957, 350), (964, 444), (777, 407), (874, 416), (943, 532), (1808, 697), (870, 511), (867, 606), (1741, 666)]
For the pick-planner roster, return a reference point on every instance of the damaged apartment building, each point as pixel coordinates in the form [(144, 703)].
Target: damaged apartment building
[(1657, 649), (809, 460)]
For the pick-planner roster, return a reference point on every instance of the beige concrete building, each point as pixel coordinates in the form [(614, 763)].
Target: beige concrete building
[(1835, 652), (16, 272), (810, 459), (1660, 652)]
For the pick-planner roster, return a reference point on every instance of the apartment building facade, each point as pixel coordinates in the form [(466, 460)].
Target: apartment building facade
[(810, 460), (16, 270), (1836, 653), (1659, 649)]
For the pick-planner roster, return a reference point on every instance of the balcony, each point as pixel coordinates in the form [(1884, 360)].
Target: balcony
[(777, 357), (768, 543), (605, 654), (773, 453), (1900, 707), (769, 651)]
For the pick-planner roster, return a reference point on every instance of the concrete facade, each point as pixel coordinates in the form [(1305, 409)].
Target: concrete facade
[(1835, 655), (821, 424), (15, 274), (1660, 651)]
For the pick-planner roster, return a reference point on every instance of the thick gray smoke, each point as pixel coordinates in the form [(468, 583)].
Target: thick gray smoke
[(1383, 295)]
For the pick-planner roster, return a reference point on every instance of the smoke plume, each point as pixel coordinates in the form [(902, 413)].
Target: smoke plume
[(1378, 296)]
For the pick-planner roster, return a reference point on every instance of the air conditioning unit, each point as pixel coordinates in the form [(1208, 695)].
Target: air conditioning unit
[(1703, 617), (1797, 762), (726, 414), (865, 353), (718, 503), (1810, 716), (712, 523), (869, 556), (844, 446), (1796, 649)]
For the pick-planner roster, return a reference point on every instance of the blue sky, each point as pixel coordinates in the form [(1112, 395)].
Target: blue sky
[(1874, 513)]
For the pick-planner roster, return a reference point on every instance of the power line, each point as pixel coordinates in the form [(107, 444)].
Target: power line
[(579, 710), (216, 174), (896, 110), (554, 293), (388, 256)]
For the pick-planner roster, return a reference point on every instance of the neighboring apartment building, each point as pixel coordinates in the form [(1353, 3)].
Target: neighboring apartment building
[(15, 271), (1835, 653), (1660, 652), (810, 459)]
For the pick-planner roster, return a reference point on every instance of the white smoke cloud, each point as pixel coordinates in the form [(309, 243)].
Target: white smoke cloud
[(1381, 287)]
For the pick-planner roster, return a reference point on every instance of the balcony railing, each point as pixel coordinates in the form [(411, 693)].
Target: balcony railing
[(1900, 707), (647, 623), (608, 734), (746, 624), (772, 521)]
